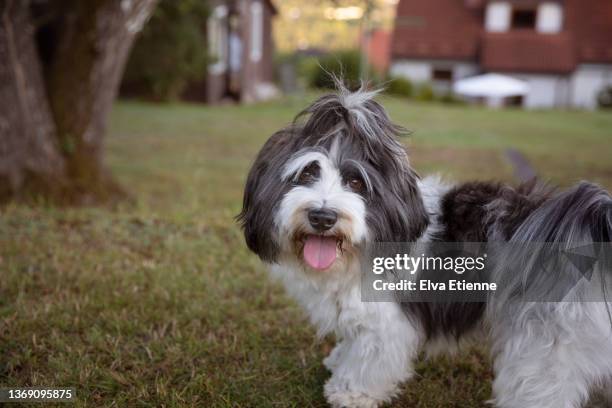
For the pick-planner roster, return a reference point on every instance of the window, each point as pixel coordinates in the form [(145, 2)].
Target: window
[(442, 74), (256, 31), (523, 19), (217, 39), (550, 18), (497, 17), (514, 101)]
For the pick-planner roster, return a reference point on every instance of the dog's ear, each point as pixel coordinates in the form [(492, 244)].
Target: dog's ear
[(416, 218), (400, 209), (398, 213), (262, 194)]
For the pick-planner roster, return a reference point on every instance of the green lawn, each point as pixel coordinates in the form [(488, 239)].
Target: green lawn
[(158, 302)]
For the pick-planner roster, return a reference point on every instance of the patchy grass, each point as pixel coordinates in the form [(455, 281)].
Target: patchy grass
[(158, 303)]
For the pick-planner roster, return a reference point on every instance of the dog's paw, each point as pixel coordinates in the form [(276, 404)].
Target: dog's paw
[(330, 362), (341, 398)]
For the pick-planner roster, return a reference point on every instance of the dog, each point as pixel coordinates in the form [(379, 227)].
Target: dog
[(338, 179)]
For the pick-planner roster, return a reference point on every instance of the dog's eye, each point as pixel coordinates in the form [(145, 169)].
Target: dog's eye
[(356, 184), (305, 178), (309, 174)]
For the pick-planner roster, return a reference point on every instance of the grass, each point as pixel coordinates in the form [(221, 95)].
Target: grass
[(158, 302)]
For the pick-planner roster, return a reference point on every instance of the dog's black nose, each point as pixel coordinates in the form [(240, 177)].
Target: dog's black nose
[(322, 219)]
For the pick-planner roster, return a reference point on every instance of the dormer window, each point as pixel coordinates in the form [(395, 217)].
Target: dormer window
[(497, 17), (550, 18), (502, 16), (523, 19)]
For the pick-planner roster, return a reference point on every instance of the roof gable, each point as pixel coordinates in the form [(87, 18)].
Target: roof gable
[(436, 29), (454, 29)]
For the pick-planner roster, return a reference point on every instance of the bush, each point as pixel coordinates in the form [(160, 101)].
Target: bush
[(343, 64), (307, 69), (425, 93), (451, 98), (399, 87), (604, 98), (170, 52)]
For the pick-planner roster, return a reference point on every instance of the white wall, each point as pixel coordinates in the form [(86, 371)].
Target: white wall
[(586, 82), (577, 90), (545, 91), (497, 17), (549, 18), (414, 70), (422, 70), (465, 69)]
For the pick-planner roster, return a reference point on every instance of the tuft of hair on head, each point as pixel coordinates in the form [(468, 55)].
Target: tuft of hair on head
[(355, 99), (354, 114)]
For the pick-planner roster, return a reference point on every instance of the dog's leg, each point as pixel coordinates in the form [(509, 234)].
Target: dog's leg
[(602, 396), (606, 393), (371, 365), (367, 373), (553, 357)]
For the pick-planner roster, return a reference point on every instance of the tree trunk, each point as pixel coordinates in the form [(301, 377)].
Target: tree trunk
[(29, 159), (84, 78), (53, 135)]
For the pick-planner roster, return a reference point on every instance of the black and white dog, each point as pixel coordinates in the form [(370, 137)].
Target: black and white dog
[(337, 179)]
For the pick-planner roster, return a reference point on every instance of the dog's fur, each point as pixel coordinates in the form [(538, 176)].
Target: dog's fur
[(545, 354)]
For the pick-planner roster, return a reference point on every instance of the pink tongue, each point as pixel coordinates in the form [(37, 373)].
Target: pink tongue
[(320, 252)]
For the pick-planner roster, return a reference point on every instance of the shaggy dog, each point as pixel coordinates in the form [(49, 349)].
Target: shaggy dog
[(337, 180)]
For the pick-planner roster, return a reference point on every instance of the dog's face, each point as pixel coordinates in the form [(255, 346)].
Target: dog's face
[(322, 217), (319, 191)]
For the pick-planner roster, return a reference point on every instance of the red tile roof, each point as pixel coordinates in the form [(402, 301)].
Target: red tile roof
[(454, 29), (378, 49), (436, 29), (527, 51), (590, 22)]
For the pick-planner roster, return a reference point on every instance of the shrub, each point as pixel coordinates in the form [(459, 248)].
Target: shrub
[(307, 69), (425, 93), (604, 98), (343, 64), (399, 86), (170, 52), (450, 98)]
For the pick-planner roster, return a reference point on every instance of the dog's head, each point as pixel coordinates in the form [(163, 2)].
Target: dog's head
[(334, 180)]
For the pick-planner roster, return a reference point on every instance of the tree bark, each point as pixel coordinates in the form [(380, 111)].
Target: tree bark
[(84, 78), (53, 135), (29, 158)]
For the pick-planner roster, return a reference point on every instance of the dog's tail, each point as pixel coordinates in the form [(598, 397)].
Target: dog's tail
[(561, 245), (555, 268), (583, 214)]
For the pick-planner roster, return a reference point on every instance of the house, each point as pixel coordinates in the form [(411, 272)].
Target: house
[(241, 48), (561, 48), (378, 46)]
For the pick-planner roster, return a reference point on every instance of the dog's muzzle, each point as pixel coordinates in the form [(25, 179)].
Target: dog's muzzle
[(322, 219)]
